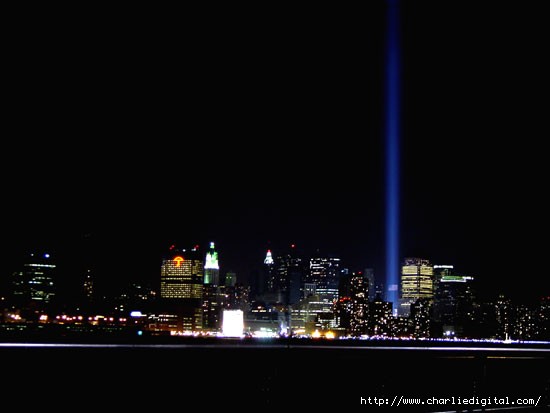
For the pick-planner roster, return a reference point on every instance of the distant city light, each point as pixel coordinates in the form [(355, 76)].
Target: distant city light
[(264, 334)]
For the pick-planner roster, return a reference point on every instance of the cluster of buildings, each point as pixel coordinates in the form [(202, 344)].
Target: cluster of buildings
[(289, 295)]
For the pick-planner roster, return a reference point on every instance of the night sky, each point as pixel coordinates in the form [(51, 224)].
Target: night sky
[(137, 129)]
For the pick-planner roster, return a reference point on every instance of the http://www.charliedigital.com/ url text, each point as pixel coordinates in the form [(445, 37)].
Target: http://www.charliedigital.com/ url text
[(453, 401)]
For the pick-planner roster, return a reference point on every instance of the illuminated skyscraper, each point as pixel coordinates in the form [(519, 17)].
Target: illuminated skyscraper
[(212, 304), (211, 267), (268, 258), (181, 276), (380, 315), (212, 295), (416, 282), (420, 318), (342, 307), (263, 279), (324, 272), (181, 286), (359, 289), (33, 286), (322, 278)]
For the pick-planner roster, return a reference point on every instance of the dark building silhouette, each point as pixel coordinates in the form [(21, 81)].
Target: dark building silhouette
[(453, 304)]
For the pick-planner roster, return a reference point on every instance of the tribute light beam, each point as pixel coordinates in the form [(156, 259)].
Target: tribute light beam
[(392, 111)]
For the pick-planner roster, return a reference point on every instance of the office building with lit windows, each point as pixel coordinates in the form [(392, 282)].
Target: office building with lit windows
[(359, 292), (33, 286), (320, 291), (417, 282), (419, 318), (181, 286), (212, 304), (181, 276), (380, 317), (324, 272)]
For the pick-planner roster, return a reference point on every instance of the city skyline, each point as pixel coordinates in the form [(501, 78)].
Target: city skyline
[(132, 133), (291, 295), (285, 143), (74, 267)]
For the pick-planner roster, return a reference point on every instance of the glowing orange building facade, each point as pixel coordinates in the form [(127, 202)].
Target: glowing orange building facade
[(181, 288), (181, 277)]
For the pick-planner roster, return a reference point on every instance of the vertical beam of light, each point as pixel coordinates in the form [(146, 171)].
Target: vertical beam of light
[(392, 112)]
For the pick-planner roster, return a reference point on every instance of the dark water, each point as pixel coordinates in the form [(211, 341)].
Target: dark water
[(251, 378)]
